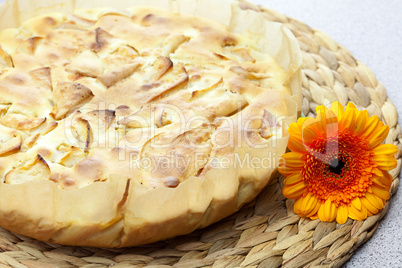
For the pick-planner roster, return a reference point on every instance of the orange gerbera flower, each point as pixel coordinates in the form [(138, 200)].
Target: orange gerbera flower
[(338, 167)]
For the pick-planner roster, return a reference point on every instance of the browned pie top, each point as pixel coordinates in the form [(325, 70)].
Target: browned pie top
[(152, 95)]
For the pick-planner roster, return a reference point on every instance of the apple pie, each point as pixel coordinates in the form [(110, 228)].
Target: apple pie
[(122, 127)]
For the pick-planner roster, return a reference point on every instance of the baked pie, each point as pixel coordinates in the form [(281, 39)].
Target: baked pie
[(128, 126)]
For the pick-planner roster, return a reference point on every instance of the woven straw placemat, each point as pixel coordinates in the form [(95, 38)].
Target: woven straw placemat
[(265, 233)]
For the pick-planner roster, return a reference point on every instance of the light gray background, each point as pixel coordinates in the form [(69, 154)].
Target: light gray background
[(372, 31)]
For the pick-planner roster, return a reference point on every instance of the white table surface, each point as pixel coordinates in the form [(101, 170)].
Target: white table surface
[(371, 30)]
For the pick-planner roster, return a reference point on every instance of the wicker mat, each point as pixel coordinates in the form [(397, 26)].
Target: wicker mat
[(266, 233)]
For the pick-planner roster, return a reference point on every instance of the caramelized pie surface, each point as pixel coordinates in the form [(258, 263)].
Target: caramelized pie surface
[(126, 129), (82, 99)]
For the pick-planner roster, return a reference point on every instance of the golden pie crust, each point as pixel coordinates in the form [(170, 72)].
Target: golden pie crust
[(126, 126)]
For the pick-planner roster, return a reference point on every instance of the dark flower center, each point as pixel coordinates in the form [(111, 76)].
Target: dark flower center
[(336, 165)]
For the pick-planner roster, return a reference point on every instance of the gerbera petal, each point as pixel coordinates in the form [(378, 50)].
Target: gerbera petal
[(380, 192), (308, 204), (313, 213), (370, 207), (331, 123), (321, 109), (385, 162), (296, 145), (388, 149), (294, 191), (348, 120), (357, 214), (293, 179), (362, 118), (301, 121), (322, 118), (385, 179), (291, 163), (342, 215), (350, 105), (356, 202), (310, 133), (297, 207), (376, 171), (295, 130), (308, 122), (337, 108), (329, 210), (371, 125), (378, 136), (294, 159), (331, 117), (377, 181), (321, 213), (333, 129), (375, 200), (369, 190), (286, 170)]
